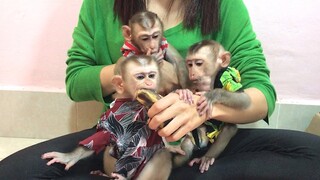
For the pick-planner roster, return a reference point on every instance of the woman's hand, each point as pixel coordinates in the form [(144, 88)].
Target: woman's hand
[(184, 117)]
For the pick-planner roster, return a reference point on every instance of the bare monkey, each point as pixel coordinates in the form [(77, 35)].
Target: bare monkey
[(144, 35), (211, 78), (137, 148)]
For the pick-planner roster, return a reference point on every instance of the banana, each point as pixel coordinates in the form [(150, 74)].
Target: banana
[(147, 97)]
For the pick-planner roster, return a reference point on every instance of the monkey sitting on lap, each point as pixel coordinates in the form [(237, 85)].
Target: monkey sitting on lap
[(210, 77), (137, 149)]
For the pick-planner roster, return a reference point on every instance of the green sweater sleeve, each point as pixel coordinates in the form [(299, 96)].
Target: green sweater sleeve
[(237, 36), (89, 52)]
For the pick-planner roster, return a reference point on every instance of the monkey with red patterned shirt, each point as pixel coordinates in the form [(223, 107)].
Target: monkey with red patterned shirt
[(210, 77), (137, 149)]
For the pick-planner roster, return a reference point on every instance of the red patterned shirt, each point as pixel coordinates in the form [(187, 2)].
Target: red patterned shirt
[(128, 49), (124, 126)]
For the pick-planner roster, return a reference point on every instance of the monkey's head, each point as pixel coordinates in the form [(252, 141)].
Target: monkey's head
[(145, 31), (206, 59), (134, 73)]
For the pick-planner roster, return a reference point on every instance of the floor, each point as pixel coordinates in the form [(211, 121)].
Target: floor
[(10, 145)]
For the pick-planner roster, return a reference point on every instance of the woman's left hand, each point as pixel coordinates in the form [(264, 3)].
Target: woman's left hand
[(184, 117)]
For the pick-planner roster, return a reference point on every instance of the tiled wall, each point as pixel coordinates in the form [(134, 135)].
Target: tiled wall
[(289, 116), (46, 115)]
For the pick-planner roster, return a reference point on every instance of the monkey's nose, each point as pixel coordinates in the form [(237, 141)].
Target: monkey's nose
[(193, 78)]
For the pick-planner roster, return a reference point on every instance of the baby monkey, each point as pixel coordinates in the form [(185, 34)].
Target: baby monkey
[(143, 35), (138, 149), (210, 77)]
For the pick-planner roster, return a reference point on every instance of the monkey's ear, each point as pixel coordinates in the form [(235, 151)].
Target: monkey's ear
[(118, 83), (225, 59), (126, 32)]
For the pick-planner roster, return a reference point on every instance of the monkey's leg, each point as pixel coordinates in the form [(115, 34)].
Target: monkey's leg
[(108, 161), (187, 146), (227, 132), (159, 167)]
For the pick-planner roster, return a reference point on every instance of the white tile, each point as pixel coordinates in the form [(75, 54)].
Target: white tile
[(296, 116), (273, 121)]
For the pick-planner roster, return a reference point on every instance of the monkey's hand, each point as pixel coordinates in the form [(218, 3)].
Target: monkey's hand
[(158, 55), (69, 159), (62, 158), (186, 95), (203, 106), (176, 149), (205, 163), (117, 176), (100, 173)]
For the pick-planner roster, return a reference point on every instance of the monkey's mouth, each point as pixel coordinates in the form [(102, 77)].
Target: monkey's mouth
[(196, 81)]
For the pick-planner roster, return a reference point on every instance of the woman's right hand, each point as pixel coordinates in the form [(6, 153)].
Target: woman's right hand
[(184, 117)]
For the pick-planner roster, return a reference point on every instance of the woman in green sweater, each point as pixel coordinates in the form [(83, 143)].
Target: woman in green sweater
[(251, 154)]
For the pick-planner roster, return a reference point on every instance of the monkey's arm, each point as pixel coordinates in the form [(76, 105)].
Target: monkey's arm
[(238, 100), (174, 57), (168, 80), (69, 159), (256, 110), (228, 131)]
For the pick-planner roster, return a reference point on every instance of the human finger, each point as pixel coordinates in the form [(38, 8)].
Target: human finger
[(177, 132), (174, 125), (160, 112)]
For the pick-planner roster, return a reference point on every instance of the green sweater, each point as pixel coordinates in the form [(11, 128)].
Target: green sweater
[(97, 40)]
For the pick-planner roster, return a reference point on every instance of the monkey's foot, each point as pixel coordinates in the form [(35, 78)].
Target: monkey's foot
[(205, 162), (100, 173)]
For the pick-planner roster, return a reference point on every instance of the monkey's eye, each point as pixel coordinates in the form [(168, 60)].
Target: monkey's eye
[(144, 39), (140, 76), (199, 63), (189, 64), (152, 75), (156, 35)]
